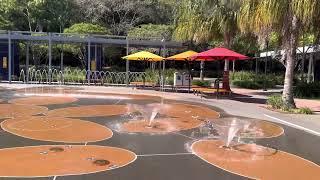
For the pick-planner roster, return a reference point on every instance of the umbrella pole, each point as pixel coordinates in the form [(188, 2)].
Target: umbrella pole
[(201, 70), (189, 71), (163, 74), (159, 76)]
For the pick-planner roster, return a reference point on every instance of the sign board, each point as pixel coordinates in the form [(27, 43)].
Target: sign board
[(93, 65), (4, 63), (181, 79)]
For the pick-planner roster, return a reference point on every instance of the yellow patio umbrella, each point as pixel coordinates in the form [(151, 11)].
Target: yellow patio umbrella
[(143, 56), (185, 56)]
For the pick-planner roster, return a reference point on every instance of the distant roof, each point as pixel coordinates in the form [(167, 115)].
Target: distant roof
[(307, 49)]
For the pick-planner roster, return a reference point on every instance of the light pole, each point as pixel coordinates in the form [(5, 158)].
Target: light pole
[(265, 68)]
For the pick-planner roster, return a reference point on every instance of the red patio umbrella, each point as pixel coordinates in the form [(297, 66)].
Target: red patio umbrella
[(220, 53)]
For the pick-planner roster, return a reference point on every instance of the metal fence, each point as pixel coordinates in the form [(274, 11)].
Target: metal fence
[(78, 77)]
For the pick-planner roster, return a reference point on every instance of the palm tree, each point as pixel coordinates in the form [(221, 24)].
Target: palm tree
[(288, 18), (201, 21)]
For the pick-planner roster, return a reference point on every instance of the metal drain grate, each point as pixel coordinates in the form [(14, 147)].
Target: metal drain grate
[(101, 162), (56, 149)]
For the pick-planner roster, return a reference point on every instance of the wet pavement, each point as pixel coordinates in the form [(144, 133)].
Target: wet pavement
[(161, 156)]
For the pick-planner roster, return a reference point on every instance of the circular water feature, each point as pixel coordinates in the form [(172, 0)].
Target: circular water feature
[(74, 161), (164, 118), (16, 110), (240, 128), (56, 129), (43, 100), (255, 161), (89, 111), (161, 125)]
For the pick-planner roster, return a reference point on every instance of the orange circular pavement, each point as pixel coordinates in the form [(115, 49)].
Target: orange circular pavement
[(43, 100), (72, 91), (251, 128), (89, 111), (15, 110), (56, 129), (256, 162), (190, 111), (181, 117), (45, 161), (46, 90), (262, 129), (162, 125)]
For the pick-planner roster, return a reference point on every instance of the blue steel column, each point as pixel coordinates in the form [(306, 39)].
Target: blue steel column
[(9, 57), (89, 61), (27, 62), (127, 63)]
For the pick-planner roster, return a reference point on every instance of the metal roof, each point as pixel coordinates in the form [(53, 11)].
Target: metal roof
[(66, 38)]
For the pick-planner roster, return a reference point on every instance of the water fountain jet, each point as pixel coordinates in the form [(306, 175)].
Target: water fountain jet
[(228, 129), (148, 112)]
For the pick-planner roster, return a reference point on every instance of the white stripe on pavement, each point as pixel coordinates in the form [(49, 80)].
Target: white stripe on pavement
[(294, 125)]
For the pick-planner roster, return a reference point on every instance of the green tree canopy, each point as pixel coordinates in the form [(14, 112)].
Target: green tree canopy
[(86, 28), (6, 9), (122, 15), (151, 30), (82, 28), (37, 15)]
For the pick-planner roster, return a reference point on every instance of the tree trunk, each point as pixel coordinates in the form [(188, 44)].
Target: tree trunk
[(290, 44), (201, 70), (287, 95), (309, 79)]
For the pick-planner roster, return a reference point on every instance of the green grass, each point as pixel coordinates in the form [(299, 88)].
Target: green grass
[(304, 110), (276, 102)]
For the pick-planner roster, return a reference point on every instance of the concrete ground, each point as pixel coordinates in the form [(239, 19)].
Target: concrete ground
[(165, 157), (249, 103), (313, 104)]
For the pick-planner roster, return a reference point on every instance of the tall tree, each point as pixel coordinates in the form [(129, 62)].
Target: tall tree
[(122, 15), (204, 20), (38, 15), (5, 10), (288, 18)]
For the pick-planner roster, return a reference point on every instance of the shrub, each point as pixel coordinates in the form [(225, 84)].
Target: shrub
[(246, 84), (275, 101), (307, 90), (201, 83), (242, 75), (251, 80), (304, 110), (154, 76)]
